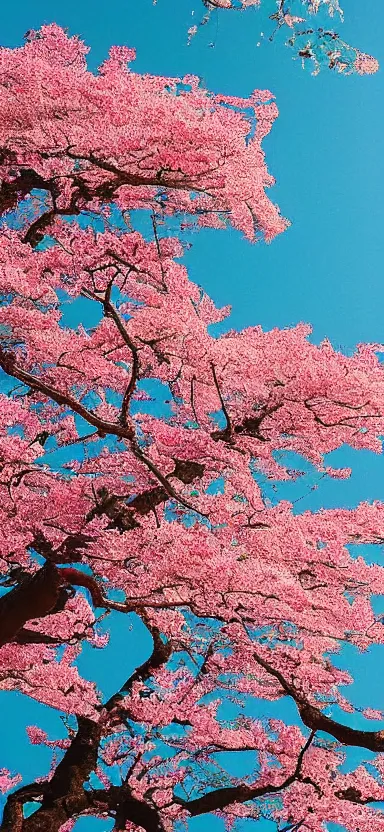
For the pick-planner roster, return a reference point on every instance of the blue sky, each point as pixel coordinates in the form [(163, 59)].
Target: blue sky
[(325, 151)]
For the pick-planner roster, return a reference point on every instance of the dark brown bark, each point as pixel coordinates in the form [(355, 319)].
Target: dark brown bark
[(317, 721), (220, 798), (26, 181), (64, 796), (13, 810), (123, 516), (25, 636), (34, 597), (71, 550), (139, 813)]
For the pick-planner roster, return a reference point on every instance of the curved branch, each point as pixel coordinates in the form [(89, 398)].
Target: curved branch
[(111, 312), (64, 795), (314, 718), (9, 365), (227, 432), (220, 798)]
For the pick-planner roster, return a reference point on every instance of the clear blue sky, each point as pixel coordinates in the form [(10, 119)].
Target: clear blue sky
[(325, 151)]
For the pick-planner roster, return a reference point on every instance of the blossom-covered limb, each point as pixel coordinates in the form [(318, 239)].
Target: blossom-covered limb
[(316, 720)]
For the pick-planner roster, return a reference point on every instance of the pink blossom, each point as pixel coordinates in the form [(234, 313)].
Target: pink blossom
[(365, 64), (7, 781)]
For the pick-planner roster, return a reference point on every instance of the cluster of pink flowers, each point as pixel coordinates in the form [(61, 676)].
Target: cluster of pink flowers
[(241, 597)]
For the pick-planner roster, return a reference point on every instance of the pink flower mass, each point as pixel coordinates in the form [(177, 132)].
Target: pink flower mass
[(241, 598), (365, 64)]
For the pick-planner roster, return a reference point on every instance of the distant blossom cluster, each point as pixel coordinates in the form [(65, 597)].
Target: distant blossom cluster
[(318, 47)]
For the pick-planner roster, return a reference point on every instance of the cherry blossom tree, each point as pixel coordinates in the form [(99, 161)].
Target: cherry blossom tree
[(242, 599), (185, 150), (315, 45)]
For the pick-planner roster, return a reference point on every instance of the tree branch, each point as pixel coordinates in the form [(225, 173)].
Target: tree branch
[(111, 312), (64, 795), (314, 718), (8, 364), (227, 432), (35, 597), (220, 798)]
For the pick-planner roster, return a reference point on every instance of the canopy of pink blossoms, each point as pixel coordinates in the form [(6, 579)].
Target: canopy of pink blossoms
[(242, 599)]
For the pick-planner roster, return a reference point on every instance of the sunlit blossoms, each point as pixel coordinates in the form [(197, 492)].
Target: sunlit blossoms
[(128, 140), (136, 449)]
